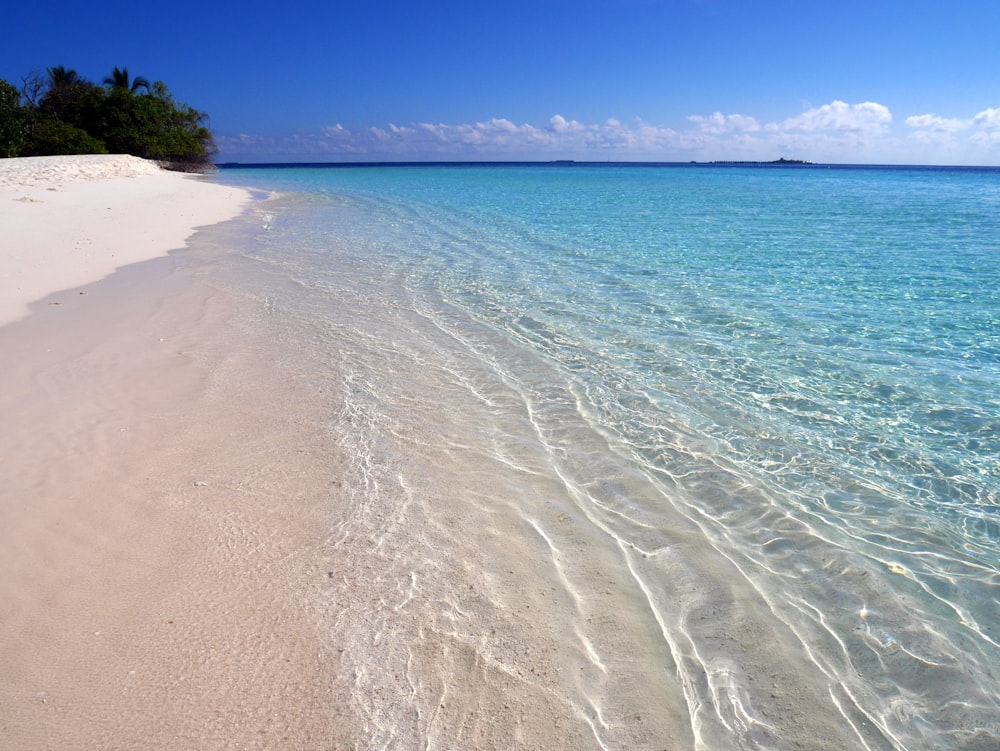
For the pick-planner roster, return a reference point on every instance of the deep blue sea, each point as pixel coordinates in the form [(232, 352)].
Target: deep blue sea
[(689, 456)]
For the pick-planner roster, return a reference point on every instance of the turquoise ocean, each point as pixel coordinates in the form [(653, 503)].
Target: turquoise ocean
[(653, 456)]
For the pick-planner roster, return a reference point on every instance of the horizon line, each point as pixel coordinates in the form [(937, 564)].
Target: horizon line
[(777, 163)]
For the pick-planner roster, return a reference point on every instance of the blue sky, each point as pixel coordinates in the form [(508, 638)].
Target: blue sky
[(866, 81)]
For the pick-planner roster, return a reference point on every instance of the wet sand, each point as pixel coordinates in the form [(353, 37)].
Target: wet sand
[(163, 501)]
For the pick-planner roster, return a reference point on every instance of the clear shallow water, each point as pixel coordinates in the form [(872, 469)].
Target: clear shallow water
[(734, 433)]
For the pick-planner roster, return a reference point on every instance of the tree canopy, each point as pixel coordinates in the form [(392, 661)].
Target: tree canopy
[(63, 113)]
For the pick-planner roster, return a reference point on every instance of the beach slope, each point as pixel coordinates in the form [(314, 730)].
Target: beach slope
[(161, 514), (68, 220)]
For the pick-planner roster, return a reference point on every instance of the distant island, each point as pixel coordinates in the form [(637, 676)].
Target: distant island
[(775, 161)]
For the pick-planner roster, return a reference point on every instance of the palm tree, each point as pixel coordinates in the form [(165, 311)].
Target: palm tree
[(62, 77), (119, 80), (66, 94)]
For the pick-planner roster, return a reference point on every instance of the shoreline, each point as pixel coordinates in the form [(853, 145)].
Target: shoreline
[(72, 220), (165, 494)]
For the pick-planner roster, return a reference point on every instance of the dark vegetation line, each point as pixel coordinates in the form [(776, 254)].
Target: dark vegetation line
[(61, 112)]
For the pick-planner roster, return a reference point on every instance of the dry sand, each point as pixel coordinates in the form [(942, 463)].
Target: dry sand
[(162, 516), (69, 220)]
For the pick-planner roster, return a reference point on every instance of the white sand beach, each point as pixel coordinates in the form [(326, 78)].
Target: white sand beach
[(68, 220), (160, 528)]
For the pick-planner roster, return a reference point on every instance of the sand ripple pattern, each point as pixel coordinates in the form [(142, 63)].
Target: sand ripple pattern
[(645, 523)]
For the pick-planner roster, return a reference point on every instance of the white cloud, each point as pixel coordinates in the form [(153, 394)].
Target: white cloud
[(501, 136), (834, 132), (867, 117), (498, 133), (336, 131), (935, 123), (941, 135), (561, 125), (988, 118), (988, 134), (989, 139), (718, 123)]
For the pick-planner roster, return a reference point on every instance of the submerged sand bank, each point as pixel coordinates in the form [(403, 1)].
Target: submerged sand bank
[(69, 220), (162, 497)]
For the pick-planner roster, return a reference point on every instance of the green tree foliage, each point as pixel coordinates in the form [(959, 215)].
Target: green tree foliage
[(72, 100), (64, 113), (13, 123), (154, 126), (51, 137)]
